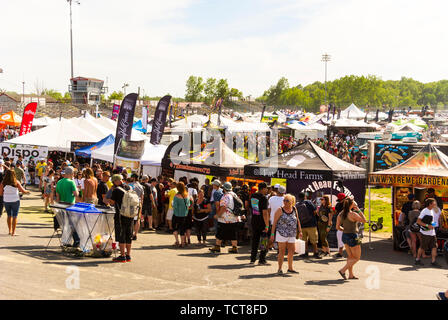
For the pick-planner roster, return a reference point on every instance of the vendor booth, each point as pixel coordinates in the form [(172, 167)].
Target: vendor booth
[(219, 161), (308, 168), (11, 119), (426, 169)]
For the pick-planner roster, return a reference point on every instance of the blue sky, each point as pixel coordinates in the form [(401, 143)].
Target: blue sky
[(156, 45)]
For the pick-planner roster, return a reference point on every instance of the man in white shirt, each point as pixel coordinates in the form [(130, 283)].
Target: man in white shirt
[(276, 202), (426, 221)]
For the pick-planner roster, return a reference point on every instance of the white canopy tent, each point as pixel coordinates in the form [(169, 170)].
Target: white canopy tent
[(59, 135), (353, 112)]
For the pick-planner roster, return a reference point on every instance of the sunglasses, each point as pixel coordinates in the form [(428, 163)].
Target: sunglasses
[(286, 201)]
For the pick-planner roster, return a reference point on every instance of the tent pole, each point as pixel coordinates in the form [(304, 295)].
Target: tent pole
[(370, 224)]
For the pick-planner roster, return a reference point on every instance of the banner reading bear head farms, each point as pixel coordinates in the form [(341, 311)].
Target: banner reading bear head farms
[(27, 151)]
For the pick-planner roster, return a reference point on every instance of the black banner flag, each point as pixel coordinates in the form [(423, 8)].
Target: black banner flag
[(158, 125), (125, 119)]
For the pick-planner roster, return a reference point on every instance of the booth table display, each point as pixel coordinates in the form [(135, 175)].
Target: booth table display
[(93, 224), (426, 169)]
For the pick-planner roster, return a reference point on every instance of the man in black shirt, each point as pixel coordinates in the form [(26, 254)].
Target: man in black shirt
[(102, 189), (148, 203), (123, 225), (260, 222), (407, 206), (307, 216)]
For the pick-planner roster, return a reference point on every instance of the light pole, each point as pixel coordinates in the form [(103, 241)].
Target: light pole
[(124, 88), (325, 58), (71, 34)]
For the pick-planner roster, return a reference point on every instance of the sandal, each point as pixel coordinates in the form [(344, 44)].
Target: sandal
[(342, 275), (176, 244), (354, 278)]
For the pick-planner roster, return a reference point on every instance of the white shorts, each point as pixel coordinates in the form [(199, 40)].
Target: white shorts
[(279, 238), (339, 236), (169, 214)]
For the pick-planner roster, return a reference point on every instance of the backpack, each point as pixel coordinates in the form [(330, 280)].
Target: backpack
[(238, 206), (130, 204), (304, 214)]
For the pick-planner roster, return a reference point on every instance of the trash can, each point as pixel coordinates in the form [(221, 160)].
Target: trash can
[(86, 219)]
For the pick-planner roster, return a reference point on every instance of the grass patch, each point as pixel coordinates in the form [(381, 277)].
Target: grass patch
[(380, 209)]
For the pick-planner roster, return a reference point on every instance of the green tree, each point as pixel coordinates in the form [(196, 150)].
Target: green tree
[(116, 95), (222, 89), (195, 86), (52, 93), (210, 90), (236, 93)]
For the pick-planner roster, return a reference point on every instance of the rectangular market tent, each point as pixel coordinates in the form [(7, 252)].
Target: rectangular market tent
[(151, 159), (426, 169), (59, 135), (10, 118), (312, 131)]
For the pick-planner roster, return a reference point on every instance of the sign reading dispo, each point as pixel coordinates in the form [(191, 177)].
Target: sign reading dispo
[(27, 151)]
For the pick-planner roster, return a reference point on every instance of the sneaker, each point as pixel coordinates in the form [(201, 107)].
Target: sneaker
[(215, 249), (305, 255), (441, 296), (233, 250), (418, 263), (435, 264), (128, 258), (338, 255), (134, 238), (119, 259), (280, 272), (252, 262), (317, 256), (223, 245), (263, 263)]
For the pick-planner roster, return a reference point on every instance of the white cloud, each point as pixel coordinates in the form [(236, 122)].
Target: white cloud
[(143, 43)]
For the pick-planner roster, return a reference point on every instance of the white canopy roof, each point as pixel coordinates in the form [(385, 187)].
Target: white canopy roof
[(59, 135), (313, 126), (152, 157), (350, 123), (352, 112)]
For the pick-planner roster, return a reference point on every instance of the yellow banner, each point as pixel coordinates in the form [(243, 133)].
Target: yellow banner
[(407, 180)]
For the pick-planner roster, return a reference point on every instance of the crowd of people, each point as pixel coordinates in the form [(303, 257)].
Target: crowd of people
[(8, 133), (422, 224)]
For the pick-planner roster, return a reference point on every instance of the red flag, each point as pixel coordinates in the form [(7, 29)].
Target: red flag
[(27, 119)]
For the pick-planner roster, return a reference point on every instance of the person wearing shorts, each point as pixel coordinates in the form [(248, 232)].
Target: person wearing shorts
[(309, 226), (428, 232), (170, 195), (124, 226), (347, 222), (285, 226), (227, 221)]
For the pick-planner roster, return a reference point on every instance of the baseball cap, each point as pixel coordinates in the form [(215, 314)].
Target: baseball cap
[(281, 189), (277, 186), (341, 196), (117, 177), (217, 183), (145, 177), (227, 186)]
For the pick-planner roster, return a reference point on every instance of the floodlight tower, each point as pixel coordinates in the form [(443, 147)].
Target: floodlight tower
[(71, 33), (326, 58)]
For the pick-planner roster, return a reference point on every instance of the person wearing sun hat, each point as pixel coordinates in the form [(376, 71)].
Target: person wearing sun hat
[(227, 221)]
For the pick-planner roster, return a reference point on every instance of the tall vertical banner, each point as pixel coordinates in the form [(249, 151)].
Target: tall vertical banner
[(27, 119), (115, 111), (145, 118), (125, 119), (158, 126), (218, 107), (262, 113)]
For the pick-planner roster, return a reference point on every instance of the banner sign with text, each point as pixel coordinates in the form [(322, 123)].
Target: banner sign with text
[(115, 111), (160, 114), (75, 145), (27, 151), (125, 119), (27, 118), (131, 149)]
